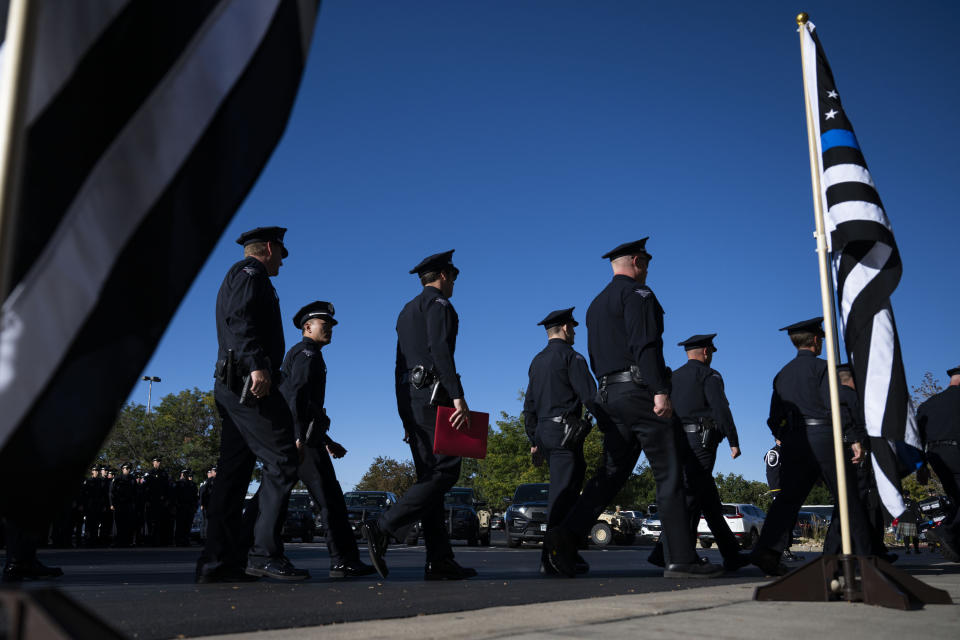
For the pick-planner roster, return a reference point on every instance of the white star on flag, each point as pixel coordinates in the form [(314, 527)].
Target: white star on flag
[(830, 114), (832, 94)]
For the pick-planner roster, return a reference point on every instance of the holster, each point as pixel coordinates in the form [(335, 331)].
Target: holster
[(575, 431), (316, 429)]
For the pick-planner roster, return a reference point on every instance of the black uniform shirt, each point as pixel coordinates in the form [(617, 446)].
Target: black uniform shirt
[(248, 318), (698, 393), (427, 335), (625, 328), (800, 390), (304, 385), (939, 417), (122, 491), (851, 415), (559, 385)]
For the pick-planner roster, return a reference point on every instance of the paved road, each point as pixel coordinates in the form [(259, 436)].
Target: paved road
[(149, 593)]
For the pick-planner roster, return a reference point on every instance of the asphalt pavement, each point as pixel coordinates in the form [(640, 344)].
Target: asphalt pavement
[(149, 593)]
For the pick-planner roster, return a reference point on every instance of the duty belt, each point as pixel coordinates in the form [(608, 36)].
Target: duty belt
[(691, 427), (428, 379), (817, 422), (616, 378), (942, 443)]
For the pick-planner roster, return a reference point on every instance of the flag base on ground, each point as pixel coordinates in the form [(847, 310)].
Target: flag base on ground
[(48, 614), (866, 579)]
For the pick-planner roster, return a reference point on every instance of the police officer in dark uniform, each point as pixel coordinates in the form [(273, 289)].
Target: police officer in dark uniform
[(625, 327), (701, 407), (156, 486), (93, 507), (304, 388), (187, 499), (855, 430), (800, 420), (939, 424), (426, 377), (256, 420), (560, 387), (106, 514), (206, 490), (123, 504)]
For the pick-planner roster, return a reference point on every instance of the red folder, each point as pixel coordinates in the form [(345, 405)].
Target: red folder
[(468, 443)]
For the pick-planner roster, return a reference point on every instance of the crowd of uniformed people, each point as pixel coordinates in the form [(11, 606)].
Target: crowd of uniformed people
[(271, 402)]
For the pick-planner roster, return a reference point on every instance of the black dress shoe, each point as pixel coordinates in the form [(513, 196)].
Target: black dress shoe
[(351, 569), (696, 570), (546, 569), (561, 552), (736, 562), (447, 569), (377, 543), (276, 568), (769, 561), (18, 572)]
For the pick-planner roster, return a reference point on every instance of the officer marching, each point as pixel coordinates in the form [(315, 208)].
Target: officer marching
[(701, 407), (256, 420), (625, 344), (938, 420), (426, 377), (304, 388), (800, 421), (560, 387)]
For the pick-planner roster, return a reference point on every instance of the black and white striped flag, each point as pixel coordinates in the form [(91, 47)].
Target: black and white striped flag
[(866, 270), (148, 123)]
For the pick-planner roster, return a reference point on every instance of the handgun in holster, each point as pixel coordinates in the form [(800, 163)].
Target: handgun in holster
[(575, 431), (317, 428), (705, 430)]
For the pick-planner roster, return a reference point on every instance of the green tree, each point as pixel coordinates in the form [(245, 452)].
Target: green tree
[(184, 428), (929, 386), (387, 474), (735, 488)]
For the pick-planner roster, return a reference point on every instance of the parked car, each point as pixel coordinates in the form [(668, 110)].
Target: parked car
[(745, 522), (496, 521), (299, 522), (650, 529), (825, 511), (809, 525), (525, 520), (366, 506), (462, 518)]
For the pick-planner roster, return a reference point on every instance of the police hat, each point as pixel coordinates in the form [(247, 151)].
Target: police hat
[(436, 263), (845, 367), (316, 309), (186, 472), (264, 234), (558, 318), (157, 459), (808, 326), (953, 372), (699, 342), (126, 465), (635, 248), (214, 468)]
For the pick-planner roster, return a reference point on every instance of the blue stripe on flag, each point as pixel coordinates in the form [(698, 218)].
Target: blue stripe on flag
[(838, 138)]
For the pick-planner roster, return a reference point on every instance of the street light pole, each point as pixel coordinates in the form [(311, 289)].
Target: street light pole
[(150, 380)]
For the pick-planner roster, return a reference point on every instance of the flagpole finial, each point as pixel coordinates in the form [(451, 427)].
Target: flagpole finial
[(802, 18)]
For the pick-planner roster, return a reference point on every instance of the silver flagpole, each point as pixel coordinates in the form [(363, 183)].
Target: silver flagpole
[(826, 295), (18, 56)]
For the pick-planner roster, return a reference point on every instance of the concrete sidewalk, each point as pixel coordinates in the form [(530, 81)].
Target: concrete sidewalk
[(726, 611)]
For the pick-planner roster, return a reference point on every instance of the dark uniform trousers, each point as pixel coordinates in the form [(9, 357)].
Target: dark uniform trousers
[(805, 457), (635, 429), (945, 460), (567, 468), (317, 473), (702, 494), (436, 474), (263, 432), (126, 517)]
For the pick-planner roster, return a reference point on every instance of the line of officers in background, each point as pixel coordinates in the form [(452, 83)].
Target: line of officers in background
[(127, 508)]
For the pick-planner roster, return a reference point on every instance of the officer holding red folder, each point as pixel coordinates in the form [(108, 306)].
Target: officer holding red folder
[(426, 377)]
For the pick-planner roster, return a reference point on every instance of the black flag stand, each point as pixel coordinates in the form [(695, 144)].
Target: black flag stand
[(866, 579)]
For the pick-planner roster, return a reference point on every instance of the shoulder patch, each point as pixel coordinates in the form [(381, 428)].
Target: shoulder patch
[(250, 271), (309, 352), (643, 291), (442, 301), (580, 357)]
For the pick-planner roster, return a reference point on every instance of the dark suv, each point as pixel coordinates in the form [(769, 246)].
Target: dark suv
[(460, 518), (299, 522), (366, 506), (525, 520)]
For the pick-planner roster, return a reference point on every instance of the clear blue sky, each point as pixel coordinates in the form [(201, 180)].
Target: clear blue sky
[(534, 136)]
